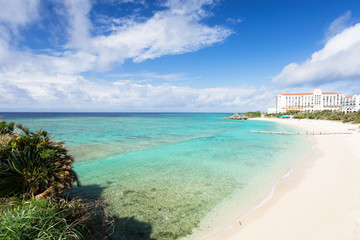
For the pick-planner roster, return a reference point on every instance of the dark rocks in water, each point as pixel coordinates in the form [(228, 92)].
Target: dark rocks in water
[(236, 116)]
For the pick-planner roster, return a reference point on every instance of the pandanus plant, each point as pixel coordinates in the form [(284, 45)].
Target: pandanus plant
[(35, 166)]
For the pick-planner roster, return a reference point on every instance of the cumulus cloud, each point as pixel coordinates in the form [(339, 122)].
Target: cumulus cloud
[(13, 16), (17, 13), (54, 79), (79, 27), (74, 92), (339, 60), (175, 30)]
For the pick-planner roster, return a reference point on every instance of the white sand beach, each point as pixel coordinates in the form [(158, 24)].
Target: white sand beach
[(321, 199)]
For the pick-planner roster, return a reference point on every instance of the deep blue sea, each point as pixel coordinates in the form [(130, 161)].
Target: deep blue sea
[(171, 171)]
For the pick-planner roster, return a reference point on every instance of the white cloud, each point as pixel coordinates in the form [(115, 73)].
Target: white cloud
[(123, 1), (163, 34), (4, 43), (175, 30), (339, 60), (36, 90), (79, 23), (52, 80), (338, 25), (191, 8), (17, 13), (234, 20), (153, 78), (14, 14)]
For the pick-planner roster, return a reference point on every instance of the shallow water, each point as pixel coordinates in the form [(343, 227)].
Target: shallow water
[(164, 173)]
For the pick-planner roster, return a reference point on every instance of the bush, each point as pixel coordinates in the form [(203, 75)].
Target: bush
[(349, 117), (42, 219), (299, 115), (356, 121), (335, 117), (253, 114), (292, 112), (54, 219), (32, 164), (353, 117), (33, 167), (6, 128)]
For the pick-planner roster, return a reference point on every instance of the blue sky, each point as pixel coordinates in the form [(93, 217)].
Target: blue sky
[(199, 55)]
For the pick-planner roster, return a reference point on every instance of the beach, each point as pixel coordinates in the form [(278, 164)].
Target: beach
[(243, 185), (172, 171), (321, 197)]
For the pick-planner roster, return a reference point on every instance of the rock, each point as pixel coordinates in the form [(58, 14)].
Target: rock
[(236, 116)]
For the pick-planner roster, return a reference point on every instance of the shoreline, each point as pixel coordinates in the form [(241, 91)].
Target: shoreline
[(229, 212), (318, 200)]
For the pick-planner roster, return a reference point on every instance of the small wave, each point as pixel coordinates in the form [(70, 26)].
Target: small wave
[(262, 203), (288, 174), (268, 197)]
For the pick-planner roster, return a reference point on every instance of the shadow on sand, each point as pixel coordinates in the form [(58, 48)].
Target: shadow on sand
[(127, 228)]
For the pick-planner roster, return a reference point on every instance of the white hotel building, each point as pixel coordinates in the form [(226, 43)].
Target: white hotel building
[(351, 104), (317, 100)]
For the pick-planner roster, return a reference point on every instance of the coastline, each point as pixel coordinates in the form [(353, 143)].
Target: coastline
[(255, 193), (320, 199)]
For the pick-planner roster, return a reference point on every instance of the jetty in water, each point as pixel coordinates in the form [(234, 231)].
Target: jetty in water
[(236, 116)]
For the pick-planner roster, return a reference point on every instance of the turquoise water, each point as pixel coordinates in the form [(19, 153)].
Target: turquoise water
[(162, 174)]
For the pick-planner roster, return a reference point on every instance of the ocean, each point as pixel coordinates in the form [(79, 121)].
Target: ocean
[(164, 175)]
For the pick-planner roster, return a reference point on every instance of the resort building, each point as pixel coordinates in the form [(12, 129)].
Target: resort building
[(351, 104), (317, 100)]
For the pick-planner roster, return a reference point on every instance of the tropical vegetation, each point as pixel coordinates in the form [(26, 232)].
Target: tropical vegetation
[(253, 114), (353, 117), (32, 164), (34, 173), (43, 219)]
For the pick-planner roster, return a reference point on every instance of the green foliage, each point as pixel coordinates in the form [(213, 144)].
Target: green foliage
[(33, 167), (325, 115), (335, 117), (27, 173), (292, 112), (44, 219), (47, 154), (356, 121), (272, 115), (6, 128), (32, 164), (351, 117), (253, 114), (298, 115)]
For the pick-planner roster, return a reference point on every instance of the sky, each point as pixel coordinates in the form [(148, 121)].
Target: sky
[(174, 55)]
